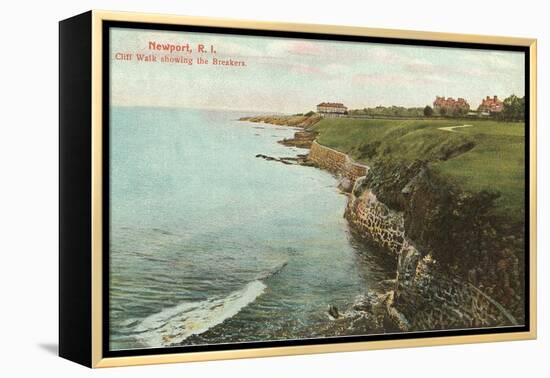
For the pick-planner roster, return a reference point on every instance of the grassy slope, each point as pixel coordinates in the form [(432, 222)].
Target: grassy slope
[(495, 162)]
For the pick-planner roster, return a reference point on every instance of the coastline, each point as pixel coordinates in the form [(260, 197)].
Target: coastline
[(239, 226), (422, 296)]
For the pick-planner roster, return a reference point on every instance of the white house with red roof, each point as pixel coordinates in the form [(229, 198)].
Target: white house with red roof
[(331, 109)]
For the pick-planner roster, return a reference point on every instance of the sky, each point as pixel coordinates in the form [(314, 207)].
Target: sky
[(293, 75)]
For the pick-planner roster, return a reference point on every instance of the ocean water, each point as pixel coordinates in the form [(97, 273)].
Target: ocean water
[(209, 244)]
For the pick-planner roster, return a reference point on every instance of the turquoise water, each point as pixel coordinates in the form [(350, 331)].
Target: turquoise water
[(209, 244)]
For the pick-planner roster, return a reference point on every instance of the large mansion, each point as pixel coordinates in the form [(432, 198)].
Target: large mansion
[(491, 105), (450, 105), (331, 109)]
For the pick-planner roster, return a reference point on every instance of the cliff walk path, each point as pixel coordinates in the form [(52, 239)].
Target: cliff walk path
[(452, 128)]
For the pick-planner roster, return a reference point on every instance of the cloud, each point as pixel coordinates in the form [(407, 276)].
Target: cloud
[(420, 66), (397, 79), (493, 60), (306, 69), (305, 48)]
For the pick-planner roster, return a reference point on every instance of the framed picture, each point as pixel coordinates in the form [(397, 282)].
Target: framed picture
[(235, 189)]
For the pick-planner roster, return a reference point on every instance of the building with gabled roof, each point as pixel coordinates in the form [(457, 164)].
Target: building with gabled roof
[(450, 106), (491, 105)]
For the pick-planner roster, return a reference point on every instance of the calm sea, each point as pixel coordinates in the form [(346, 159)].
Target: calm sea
[(209, 244)]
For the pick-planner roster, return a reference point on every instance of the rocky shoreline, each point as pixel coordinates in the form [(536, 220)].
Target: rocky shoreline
[(302, 138), (393, 208)]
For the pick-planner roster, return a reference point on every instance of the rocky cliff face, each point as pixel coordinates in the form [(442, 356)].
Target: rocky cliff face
[(456, 264), (433, 288), (374, 221)]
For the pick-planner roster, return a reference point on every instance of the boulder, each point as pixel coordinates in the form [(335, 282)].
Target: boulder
[(345, 185)]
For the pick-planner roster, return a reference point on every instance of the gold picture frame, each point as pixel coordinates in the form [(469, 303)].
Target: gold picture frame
[(82, 248)]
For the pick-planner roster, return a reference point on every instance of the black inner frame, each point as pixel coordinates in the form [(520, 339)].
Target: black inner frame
[(106, 25)]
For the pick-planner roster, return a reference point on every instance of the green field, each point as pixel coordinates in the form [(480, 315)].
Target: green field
[(489, 155)]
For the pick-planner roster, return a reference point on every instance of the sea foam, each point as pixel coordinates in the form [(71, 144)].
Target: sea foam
[(175, 324)]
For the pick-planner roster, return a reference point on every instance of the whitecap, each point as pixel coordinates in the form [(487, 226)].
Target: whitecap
[(175, 324)]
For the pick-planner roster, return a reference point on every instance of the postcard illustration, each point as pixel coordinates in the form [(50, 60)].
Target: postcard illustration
[(276, 188)]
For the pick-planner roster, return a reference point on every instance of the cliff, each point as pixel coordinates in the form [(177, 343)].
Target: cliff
[(457, 261), (427, 228)]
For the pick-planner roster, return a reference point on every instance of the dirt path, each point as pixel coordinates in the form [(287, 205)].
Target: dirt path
[(452, 128)]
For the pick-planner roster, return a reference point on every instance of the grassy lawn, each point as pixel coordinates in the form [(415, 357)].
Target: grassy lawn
[(496, 162), (489, 155)]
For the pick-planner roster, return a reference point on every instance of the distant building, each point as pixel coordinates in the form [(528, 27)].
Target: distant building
[(450, 105), (491, 105), (331, 109)]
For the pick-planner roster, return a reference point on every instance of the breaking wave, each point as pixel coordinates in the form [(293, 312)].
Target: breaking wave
[(175, 324)]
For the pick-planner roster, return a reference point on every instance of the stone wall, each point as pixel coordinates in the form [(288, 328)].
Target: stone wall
[(374, 220), (336, 162), (425, 299), (422, 298)]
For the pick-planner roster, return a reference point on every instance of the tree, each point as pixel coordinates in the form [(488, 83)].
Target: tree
[(458, 112), (428, 111), (513, 109), (442, 111)]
